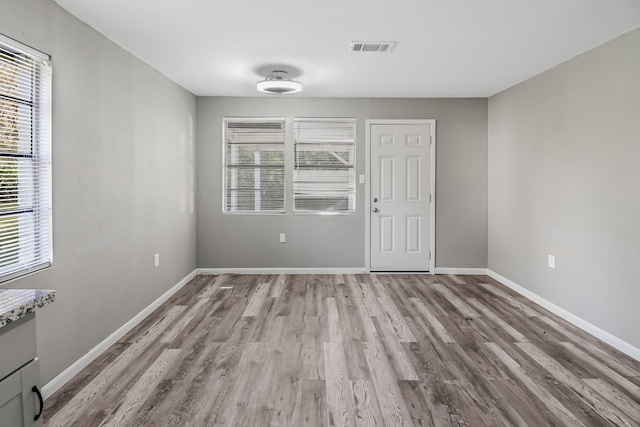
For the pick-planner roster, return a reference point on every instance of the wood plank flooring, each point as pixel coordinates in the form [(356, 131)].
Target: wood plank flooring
[(352, 350)]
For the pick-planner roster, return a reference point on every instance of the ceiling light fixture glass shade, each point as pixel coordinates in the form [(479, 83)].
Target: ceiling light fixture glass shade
[(278, 82)]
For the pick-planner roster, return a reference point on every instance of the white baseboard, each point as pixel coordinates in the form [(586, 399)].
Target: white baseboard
[(439, 270), (592, 329), (462, 271), (281, 271), (55, 384)]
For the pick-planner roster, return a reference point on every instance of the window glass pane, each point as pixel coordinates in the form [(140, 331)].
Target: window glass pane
[(8, 184), (9, 241), (328, 156), (324, 169), (252, 154), (25, 165), (254, 165), (8, 74), (16, 127), (326, 203), (17, 185)]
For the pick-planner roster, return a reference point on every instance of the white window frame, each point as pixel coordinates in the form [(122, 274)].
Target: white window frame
[(34, 230), (351, 190), (225, 165)]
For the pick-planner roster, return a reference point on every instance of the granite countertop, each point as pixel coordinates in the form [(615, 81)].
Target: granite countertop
[(17, 303)]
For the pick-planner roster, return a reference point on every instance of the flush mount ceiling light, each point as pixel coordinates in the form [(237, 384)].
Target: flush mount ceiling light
[(279, 82)]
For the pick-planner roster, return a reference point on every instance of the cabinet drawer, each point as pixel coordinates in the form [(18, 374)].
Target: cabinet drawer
[(18, 344)]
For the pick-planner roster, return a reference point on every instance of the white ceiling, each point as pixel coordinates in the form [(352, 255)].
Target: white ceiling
[(445, 48)]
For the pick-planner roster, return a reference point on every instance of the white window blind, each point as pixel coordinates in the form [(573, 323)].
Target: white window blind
[(25, 160), (254, 165), (324, 179)]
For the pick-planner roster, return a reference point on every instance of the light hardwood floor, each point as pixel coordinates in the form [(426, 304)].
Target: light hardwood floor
[(352, 350)]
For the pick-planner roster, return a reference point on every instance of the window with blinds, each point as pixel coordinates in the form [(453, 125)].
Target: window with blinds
[(254, 165), (25, 160), (324, 175)]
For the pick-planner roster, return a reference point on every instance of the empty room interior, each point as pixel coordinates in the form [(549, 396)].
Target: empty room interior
[(365, 213)]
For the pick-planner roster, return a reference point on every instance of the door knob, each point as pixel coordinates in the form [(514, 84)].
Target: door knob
[(375, 199), (375, 209)]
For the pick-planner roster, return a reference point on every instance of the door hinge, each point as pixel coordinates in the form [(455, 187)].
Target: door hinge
[(429, 254), (429, 197)]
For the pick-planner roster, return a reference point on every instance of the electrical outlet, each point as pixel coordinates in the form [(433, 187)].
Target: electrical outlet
[(552, 261), (156, 260), (282, 238), (361, 179)]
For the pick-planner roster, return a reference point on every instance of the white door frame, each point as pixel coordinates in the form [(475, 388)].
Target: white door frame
[(432, 185)]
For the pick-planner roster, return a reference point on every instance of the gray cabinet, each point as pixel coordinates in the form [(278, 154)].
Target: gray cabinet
[(20, 398), (20, 402)]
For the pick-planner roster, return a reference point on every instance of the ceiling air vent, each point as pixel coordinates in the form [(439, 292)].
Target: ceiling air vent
[(371, 46)]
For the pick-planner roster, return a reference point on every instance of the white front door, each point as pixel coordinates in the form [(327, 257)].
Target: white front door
[(400, 197)]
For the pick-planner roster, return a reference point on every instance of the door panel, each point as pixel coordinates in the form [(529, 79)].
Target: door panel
[(387, 140), (399, 197), (387, 234), (413, 234), (387, 178), (413, 179)]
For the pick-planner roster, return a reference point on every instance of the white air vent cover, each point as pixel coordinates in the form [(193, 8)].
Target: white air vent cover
[(371, 46)]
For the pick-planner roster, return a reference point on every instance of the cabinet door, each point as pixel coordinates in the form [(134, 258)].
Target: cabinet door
[(19, 405), (11, 413), (31, 399)]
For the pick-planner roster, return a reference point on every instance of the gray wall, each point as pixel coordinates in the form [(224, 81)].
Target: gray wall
[(122, 175), (564, 179), (251, 241)]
